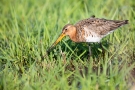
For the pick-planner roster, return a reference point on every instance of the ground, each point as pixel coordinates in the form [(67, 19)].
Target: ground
[(29, 27)]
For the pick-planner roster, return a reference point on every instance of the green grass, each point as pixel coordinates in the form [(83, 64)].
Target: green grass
[(29, 27)]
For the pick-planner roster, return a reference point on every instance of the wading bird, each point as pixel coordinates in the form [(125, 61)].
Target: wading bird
[(89, 30)]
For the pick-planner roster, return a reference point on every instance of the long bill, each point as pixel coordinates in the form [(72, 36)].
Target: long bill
[(57, 41)]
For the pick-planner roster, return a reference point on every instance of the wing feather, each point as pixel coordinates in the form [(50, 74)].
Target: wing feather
[(100, 26)]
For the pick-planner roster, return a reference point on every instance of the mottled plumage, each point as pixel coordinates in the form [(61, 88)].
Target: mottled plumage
[(90, 30), (95, 28)]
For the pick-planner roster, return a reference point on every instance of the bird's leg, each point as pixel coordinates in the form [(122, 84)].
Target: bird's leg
[(89, 51), (103, 52)]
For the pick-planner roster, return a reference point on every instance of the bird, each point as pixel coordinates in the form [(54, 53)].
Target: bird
[(89, 30)]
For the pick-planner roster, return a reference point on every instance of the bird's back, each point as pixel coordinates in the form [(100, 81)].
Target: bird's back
[(95, 27)]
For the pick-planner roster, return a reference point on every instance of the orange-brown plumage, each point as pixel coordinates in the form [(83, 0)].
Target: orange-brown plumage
[(90, 30)]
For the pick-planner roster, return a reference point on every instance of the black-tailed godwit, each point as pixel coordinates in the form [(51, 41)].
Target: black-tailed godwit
[(89, 30)]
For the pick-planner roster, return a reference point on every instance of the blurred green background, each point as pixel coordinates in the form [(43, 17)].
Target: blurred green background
[(29, 27)]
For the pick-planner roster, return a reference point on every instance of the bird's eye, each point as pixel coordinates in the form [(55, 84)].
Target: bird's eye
[(66, 29)]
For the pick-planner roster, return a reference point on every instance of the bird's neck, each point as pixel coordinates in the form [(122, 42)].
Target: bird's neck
[(73, 36)]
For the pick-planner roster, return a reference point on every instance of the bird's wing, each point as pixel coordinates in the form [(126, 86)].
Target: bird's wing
[(101, 26)]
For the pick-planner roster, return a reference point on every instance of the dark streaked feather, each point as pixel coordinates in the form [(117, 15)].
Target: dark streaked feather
[(100, 26)]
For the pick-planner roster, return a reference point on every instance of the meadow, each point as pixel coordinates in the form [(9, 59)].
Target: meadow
[(29, 27)]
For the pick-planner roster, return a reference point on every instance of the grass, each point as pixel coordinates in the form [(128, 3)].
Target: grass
[(29, 27)]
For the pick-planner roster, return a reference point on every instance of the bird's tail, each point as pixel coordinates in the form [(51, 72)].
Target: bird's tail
[(121, 22), (126, 21)]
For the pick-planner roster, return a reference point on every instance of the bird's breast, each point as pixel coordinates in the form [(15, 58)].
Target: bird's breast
[(91, 36)]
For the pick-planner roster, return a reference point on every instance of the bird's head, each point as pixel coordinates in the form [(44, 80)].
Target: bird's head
[(68, 30)]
